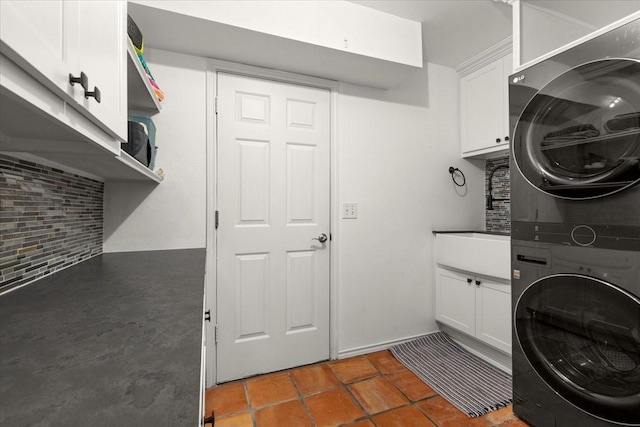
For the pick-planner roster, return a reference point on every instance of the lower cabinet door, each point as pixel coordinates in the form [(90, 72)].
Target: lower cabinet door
[(477, 306), (455, 300), (493, 314)]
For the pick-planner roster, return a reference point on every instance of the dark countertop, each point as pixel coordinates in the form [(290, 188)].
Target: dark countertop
[(112, 341)]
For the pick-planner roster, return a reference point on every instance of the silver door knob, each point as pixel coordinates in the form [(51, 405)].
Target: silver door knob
[(321, 238)]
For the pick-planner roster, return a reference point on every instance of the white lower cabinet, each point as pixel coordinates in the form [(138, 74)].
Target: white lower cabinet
[(475, 305)]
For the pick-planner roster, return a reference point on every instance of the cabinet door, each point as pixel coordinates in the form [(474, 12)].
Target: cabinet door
[(493, 314), (455, 300), (101, 54), (484, 108), (34, 34)]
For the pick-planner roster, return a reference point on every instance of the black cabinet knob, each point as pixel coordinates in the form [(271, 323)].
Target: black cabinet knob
[(506, 138), (469, 280), (83, 80), (498, 140), (95, 94), (478, 282)]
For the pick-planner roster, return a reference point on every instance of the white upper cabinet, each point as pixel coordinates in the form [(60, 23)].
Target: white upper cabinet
[(35, 36), (101, 55), (54, 40), (47, 117), (484, 109)]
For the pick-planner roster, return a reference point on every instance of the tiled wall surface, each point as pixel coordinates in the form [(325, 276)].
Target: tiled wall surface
[(498, 219), (49, 219)]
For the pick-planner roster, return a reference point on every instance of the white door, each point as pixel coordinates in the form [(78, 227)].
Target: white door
[(273, 201)]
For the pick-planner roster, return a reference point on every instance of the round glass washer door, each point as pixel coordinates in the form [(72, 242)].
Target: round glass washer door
[(582, 337), (579, 136)]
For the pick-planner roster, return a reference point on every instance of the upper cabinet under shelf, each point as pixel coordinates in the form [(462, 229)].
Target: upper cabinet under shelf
[(140, 94), (337, 40), (44, 115)]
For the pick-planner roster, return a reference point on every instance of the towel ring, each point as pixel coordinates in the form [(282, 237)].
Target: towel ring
[(452, 171)]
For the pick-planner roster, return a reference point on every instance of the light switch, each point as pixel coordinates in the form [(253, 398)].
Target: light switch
[(350, 210)]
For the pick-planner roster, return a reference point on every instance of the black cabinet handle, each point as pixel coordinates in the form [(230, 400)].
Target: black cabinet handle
[(83, 80), (478, 282), (209, 420), (469, 280), (95, 94)]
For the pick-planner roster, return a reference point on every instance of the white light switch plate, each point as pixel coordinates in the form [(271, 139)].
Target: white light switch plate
[(349, 210)]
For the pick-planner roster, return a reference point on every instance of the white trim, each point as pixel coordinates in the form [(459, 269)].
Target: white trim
[(215, 66), (366, 349), (601, 31), (484, 351), (218, 65), (486, 57), (203, 363), (516, 19), (334, 343), (210, 259)]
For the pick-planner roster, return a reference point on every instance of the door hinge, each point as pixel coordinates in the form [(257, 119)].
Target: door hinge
[(217, 219), (215, 107), (215, 334), (207, 315)]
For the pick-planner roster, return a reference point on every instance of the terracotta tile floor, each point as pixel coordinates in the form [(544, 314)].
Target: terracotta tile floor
[(373, 390)]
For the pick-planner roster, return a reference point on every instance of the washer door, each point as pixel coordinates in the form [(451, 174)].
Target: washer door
[(579, 136), (582, 336)]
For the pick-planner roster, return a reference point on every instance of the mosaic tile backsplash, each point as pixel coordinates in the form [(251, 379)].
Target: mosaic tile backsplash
[(498, 219), (49, 219)]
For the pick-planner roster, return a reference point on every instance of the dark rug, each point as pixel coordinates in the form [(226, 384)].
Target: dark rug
[(468, 382)]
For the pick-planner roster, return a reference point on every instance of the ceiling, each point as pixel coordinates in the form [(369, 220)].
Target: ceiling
[(453, 31)]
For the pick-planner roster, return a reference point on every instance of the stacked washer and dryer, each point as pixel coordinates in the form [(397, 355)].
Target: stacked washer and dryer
[(575, 202)]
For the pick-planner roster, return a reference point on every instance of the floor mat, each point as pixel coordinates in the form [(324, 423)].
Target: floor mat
[(468, 382)]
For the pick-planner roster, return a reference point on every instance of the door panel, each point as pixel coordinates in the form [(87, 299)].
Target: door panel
[(273, 198), (455, 293)]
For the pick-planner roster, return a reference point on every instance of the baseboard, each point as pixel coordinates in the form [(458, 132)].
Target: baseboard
[(487, 353), (358, 351)]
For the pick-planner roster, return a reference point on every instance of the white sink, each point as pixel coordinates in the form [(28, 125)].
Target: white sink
[(480, 253)]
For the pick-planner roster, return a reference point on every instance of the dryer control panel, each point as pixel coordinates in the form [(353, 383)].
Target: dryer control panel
[(619, 237)]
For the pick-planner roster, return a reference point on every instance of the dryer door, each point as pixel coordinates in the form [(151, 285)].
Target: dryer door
[(579, 136), (582, 336)]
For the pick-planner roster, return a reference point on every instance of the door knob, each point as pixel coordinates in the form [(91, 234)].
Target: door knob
[(321, 238)]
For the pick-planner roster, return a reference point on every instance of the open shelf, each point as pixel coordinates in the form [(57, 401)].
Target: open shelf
[(141, 172), (141, 96), (39, 125)]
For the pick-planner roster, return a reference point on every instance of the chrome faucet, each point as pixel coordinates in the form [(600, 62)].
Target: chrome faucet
[(490, 198)]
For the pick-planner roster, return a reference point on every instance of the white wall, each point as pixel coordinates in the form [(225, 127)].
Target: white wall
[(394, 151), (171, 215), (395, 148)]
